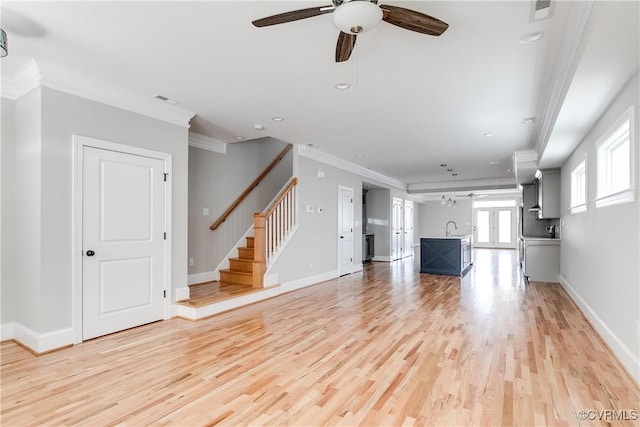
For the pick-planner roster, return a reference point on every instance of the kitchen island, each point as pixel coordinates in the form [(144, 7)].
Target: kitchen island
[(445, 255)]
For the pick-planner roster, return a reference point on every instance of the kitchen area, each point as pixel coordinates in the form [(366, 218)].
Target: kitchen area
[(539, 233)]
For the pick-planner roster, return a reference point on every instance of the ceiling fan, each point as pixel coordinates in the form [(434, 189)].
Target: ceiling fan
[(353, 17)]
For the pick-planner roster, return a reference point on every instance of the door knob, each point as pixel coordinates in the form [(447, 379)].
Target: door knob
[(342, 237), (90, 253)]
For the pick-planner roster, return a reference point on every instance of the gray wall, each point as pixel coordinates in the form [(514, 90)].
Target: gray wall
[(601, 247), (313, 250), (215, 181), (379, 209), (433, 218), (42, 192)]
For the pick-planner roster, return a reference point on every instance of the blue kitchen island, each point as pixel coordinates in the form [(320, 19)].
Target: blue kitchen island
[(445, 255)]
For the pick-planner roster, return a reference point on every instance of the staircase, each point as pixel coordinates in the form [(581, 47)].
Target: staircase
[(240, 269)]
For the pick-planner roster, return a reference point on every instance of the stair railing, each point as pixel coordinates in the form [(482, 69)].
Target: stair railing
[(251, 186), (272, 228)]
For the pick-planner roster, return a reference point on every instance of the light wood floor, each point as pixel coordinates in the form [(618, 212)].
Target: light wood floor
[(387, 346)]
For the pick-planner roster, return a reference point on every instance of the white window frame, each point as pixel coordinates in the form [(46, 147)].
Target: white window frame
[(578, 179), (604, 195)]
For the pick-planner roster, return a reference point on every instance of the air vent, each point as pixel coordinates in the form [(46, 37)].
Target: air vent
[(541, 9)]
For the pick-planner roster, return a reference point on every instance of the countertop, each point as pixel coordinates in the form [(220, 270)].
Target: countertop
[(452, 237)]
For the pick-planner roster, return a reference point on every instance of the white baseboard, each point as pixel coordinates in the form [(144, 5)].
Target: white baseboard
[(308, 281), (182, 293), (626, 357), (207, 276), (6, 331), (37, 342), (381, 258)]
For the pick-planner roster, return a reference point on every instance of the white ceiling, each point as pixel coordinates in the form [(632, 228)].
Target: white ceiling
[(419, 100)]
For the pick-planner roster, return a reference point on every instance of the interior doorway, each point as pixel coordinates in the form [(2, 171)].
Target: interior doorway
[(345, 230)]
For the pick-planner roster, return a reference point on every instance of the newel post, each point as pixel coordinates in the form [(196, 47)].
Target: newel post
[(259, 250)]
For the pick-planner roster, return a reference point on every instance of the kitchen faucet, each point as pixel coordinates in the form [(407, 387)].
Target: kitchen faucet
[(447, 232)]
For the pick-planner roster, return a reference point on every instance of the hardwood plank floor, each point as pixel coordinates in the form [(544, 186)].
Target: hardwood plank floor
[(387, 346), (203, 294)]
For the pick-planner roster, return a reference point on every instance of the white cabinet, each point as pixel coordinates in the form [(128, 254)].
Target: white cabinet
[(549, 194), (542, 259)]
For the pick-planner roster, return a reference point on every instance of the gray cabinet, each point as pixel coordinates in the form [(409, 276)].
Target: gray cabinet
[(450, 255), (549, 194)]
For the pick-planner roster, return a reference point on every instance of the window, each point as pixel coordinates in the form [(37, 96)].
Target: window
[(614, 163), (579, 187)]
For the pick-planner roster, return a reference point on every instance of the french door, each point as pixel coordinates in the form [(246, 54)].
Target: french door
[(494, 227)]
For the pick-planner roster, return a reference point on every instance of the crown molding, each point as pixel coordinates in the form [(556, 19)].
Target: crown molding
[(206, 143), (322, 157), (32, 75), (22, 81), (463, 185), (572, 45)]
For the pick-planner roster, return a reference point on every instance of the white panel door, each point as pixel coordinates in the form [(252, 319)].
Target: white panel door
[(345, 230), (408, 228), (397, 236), (123, 216)]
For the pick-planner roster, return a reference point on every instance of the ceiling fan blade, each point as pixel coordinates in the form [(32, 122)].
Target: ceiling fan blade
[(413, 21), (294, 15), (345, 45)]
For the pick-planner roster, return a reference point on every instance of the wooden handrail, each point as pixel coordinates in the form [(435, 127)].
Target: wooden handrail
[(254, 184), (293, 181)]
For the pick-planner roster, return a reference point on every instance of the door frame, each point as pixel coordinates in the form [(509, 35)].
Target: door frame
[(400, 220), (349, 189), (408, 248), (79, 143)]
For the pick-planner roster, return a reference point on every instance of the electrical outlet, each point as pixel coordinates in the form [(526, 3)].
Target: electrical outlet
[(205, 211), (191, 262)]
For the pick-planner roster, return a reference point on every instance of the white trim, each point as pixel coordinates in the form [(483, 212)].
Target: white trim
[(620, 197), (270, 292), (353, 226), (207, 276), (574, 39), (193, 313), (182, 293), (308, 281), (621, 351), (31, 75), (463, 185), (39, 343), (79, 142), (206, 143), (7, 331), (319, 156)]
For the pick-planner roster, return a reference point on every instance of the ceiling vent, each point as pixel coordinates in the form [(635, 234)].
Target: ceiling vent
[(541, 9)]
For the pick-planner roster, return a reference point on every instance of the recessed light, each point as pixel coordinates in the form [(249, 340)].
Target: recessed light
[(494, 163), (488, 134), (449, 170), (258, 127), (443, 165), (239, 137), (454, 174), (531, 37), (277, 119), (528, 120), (342, 86)]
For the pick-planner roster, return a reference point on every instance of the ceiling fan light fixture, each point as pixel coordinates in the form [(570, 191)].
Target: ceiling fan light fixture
[(357, 16)]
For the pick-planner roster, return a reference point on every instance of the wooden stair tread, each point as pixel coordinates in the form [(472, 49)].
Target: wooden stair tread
[(242, 273), (206, 293)]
